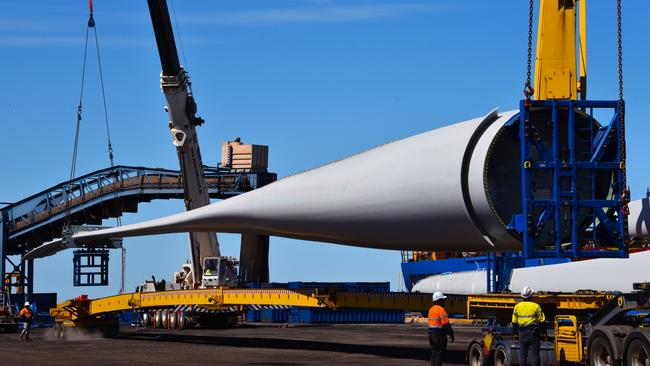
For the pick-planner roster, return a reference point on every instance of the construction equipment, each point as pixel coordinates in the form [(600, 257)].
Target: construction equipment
[(220, 271), (566, 208), (587, 324), (177, 88), (549, 178), (8, 322), (591, 328)]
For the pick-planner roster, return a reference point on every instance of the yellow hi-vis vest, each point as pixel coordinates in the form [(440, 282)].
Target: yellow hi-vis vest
[(527, 313)]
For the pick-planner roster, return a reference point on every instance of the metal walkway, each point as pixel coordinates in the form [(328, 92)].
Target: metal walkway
[(104, 194)]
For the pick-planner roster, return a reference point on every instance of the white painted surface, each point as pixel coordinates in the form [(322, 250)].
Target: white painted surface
[(470, 282), (402, 195), (595, 274)]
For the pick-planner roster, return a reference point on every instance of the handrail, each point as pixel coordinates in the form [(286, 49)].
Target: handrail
[(68, 195)]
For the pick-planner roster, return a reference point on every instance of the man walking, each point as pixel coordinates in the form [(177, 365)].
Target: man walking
[(527, 323), (26, 316), (439, 329)]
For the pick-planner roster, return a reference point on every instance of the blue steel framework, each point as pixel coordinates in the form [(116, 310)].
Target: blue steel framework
[(593, 217), (90, 267), (597, 221), (499, 269)]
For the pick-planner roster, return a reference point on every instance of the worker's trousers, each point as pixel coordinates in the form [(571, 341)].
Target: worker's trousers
[(528, 341), (25, 332), (438, 347)]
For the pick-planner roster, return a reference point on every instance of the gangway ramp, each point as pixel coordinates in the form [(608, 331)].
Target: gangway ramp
[(104, 194)]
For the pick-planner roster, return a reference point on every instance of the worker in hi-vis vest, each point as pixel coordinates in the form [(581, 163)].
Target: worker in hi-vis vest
[(439, 329), (528, 323), (26, 315)]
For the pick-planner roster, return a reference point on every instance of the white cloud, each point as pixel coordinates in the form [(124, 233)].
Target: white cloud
[(30, 41), (44, 41), (324, 14)]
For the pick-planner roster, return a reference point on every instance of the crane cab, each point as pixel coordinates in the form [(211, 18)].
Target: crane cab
[(220, 272)]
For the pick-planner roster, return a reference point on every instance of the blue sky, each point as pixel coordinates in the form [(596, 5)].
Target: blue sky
[(316, 80)]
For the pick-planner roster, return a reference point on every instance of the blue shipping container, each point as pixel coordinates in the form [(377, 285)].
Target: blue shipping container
[(326, 316), (274, 315), (345, 316)]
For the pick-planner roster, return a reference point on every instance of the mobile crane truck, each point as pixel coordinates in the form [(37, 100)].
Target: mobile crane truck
[(207, 268)]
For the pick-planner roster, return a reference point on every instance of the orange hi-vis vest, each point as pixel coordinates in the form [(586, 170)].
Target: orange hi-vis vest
[(437, 317), (27, 312)]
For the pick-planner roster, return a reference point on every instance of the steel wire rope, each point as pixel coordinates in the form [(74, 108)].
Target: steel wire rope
[(91, 24), (180, 39), (75, 149), (118, 219)]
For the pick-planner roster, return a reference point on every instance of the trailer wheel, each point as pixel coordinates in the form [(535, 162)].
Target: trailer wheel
[(475, 355), (638, 354), (501, 356), (600, 352)]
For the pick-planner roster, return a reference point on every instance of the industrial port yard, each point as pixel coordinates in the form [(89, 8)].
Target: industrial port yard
[(522, 232), (255, 344)]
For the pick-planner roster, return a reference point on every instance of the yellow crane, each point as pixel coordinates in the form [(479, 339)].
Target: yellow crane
[(558, 47)]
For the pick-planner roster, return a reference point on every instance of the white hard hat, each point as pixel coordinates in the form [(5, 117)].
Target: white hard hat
[(26, 303), (438, 296), (526, 292)]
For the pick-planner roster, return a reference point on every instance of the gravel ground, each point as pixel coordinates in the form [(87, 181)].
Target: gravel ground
[(257, 344)]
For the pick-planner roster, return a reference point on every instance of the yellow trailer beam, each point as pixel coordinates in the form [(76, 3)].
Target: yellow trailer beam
[(211, 298), (486, 306), (455, 304), (271, 297), (471, 307)]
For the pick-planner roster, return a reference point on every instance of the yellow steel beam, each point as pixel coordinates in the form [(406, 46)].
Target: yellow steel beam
[(271, 297), (480, 306), (473, 306), (454, 304), (555, 61), (202, 297)]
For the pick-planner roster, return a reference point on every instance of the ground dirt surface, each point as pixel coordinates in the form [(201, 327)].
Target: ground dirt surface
[(259, 344)]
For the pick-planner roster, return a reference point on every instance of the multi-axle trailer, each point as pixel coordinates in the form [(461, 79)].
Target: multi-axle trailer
[(594, 328)]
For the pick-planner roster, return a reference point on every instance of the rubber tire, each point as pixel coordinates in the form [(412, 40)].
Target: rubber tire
[(596, 356), (147, 319), (475, 356), (501, 356), (637, 353)]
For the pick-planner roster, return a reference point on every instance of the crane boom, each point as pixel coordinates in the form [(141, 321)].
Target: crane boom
[(176, 86), (561, 45)]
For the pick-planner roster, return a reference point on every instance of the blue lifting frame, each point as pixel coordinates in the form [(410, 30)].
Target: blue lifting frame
[(499, 269), (578, 221)]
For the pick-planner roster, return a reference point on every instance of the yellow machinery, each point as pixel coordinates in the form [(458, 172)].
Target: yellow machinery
[(82, 311), (556, 74), (568, 339), (586, 324)]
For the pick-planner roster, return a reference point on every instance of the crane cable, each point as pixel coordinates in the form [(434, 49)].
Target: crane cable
[(79, 111), (118, 219), (91, 24), (528, 88), (75, 149), (178, 33), (625, 192)]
